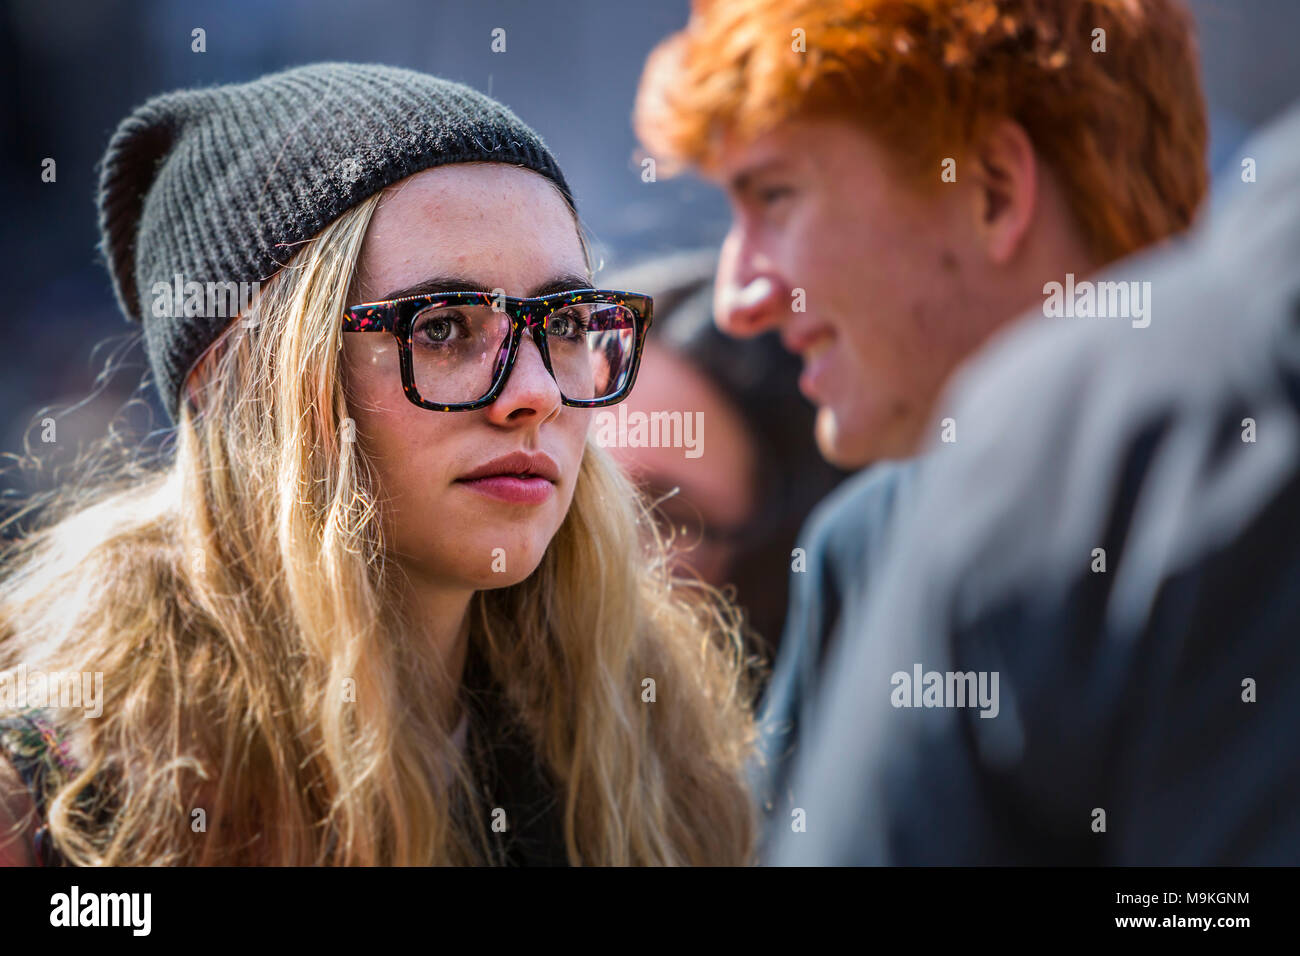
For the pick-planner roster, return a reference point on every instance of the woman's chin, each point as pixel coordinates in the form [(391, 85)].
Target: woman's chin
[(485, 566)]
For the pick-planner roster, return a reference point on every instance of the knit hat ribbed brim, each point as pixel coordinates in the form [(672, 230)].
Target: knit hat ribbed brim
[(221, 184)]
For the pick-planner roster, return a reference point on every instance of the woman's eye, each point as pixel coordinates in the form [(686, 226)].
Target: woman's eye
[(441, 328), (563, 325)]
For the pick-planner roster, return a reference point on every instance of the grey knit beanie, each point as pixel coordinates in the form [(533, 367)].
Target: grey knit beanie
[(220, 185)]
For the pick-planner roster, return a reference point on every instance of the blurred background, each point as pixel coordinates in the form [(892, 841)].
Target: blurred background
[(73, 68)]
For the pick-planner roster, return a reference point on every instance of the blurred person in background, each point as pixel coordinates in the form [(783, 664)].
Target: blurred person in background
[(732, 507), (905, 177)]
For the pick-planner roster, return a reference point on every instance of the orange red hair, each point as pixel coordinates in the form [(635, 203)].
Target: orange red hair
[(1124, 130)]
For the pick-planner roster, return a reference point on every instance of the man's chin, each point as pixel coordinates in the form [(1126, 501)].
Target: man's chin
[(852, 442), (840, 446)]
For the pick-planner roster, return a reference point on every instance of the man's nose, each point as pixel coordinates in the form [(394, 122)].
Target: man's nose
[(747, 297)]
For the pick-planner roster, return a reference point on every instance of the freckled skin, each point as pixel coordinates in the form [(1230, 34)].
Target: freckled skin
[(904, 282), (501, 227)]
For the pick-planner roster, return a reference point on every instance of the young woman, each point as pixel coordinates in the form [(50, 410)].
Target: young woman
[(385, 603)]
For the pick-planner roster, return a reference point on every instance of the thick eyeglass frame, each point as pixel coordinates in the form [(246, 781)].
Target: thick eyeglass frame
[(397, 316)]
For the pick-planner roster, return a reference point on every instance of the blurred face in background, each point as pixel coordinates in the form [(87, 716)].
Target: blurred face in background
[(717, 491)]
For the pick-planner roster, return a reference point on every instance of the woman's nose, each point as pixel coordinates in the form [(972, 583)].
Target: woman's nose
[(530, 393)]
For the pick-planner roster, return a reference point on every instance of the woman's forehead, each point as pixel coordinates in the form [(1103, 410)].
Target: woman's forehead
[(501, 226)]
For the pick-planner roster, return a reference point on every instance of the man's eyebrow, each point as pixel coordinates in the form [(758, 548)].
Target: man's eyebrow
[(440, 285)]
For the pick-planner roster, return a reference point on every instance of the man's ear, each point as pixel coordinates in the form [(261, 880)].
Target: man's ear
[(1006, 197)]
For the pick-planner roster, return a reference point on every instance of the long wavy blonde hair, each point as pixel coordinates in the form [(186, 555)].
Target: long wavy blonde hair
[(237, 599)]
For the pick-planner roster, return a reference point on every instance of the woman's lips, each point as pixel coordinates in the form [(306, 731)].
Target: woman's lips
[(521, 478), (514, 489)]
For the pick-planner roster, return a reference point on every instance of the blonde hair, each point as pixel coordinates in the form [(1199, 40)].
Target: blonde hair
[(238, 602)]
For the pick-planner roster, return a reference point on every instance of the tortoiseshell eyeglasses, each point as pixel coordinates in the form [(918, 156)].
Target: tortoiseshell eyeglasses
[(457, 349)]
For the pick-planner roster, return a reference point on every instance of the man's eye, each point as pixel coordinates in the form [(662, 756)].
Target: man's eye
[(772, 194)]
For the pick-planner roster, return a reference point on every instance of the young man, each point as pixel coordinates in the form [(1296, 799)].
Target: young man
[(905, 177), (1125, 598)]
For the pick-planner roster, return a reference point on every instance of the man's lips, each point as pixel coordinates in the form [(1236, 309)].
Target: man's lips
[(817, 348), (802, 341), (814, 376)]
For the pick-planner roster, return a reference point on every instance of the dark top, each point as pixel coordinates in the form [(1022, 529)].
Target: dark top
[(31, 742), (515, 779), (1148, 713), (840, 541)]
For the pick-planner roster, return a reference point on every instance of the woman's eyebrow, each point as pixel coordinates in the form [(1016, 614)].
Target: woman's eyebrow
[(439, 285)]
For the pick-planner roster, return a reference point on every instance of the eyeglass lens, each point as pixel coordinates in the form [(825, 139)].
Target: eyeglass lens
[(458, 351)]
